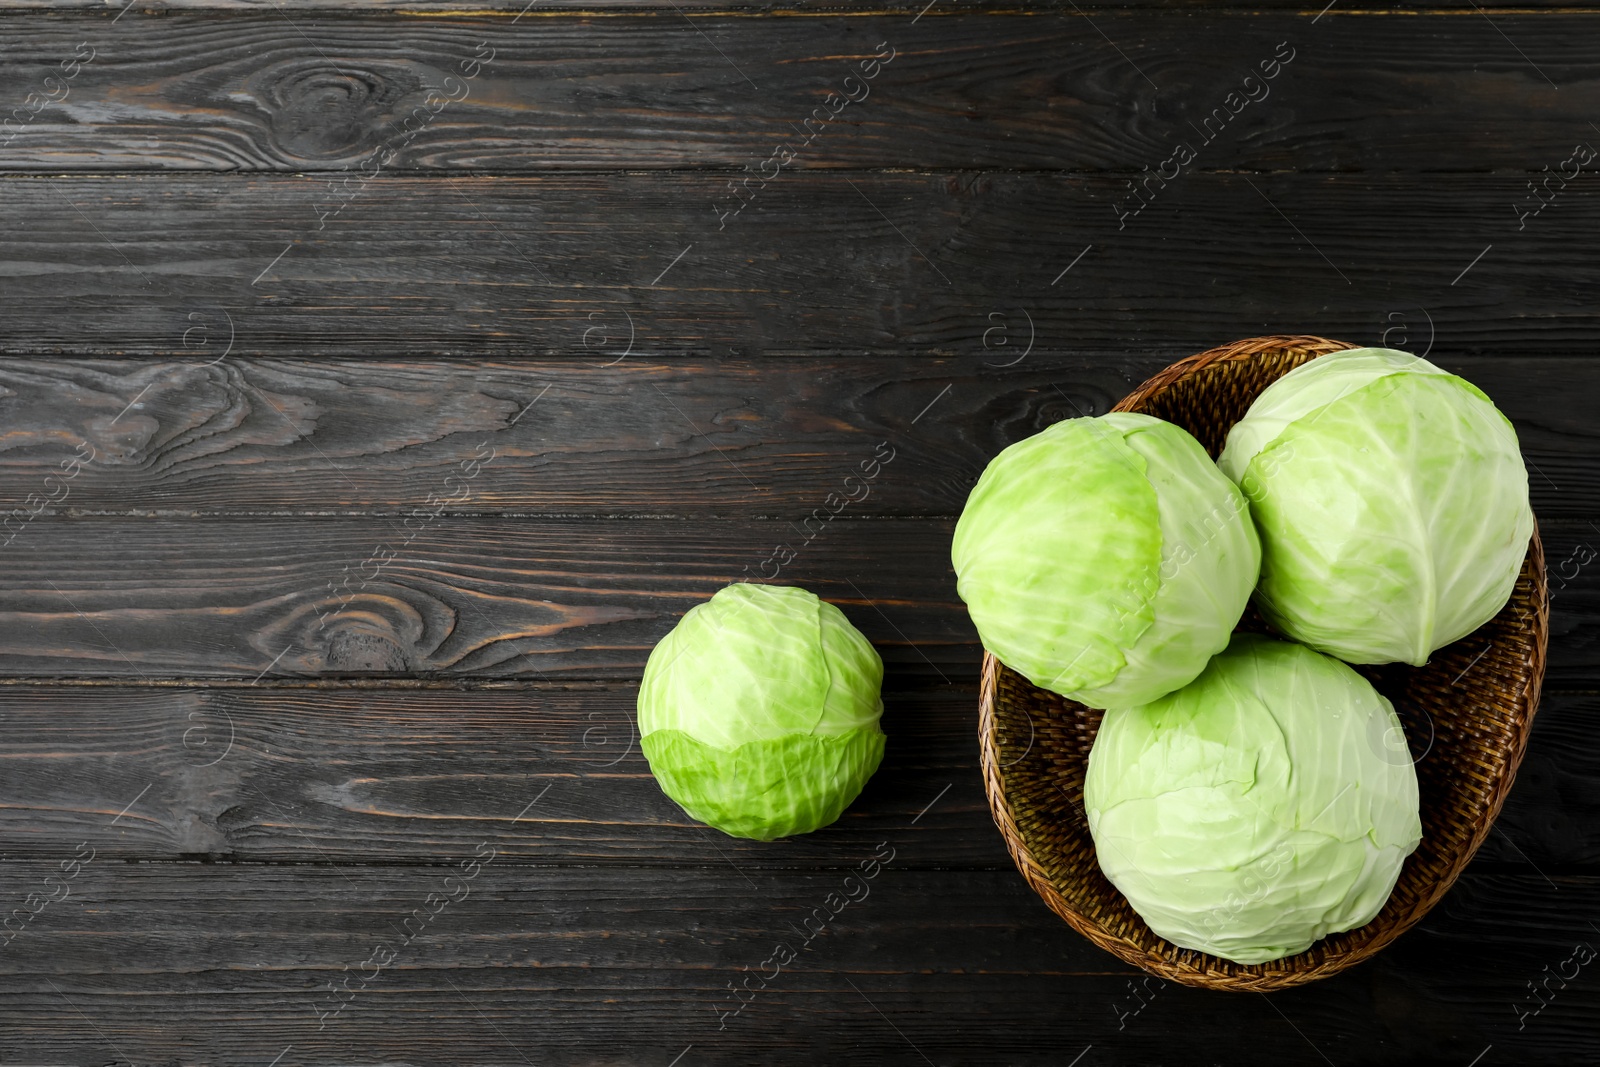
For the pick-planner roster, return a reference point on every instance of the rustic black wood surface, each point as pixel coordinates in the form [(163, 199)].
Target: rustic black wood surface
[(467, 281)]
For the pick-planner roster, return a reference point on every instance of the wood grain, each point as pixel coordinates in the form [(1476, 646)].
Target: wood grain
[(506, 11), (642, 438), (579, 966), (1551, 819), (513, 267), (274, 366), (479, 598), (378, 776), (1042, 91), (458, 598), (396, 776)]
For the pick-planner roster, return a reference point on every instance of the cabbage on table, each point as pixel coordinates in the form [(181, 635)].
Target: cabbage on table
[(759, 711)]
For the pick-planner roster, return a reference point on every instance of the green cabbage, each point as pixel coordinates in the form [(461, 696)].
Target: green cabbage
[(1249, 814), (1105, 559), (759, 711), (1392, 503)]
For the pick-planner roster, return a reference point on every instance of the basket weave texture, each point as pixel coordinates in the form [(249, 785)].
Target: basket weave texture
[(1466, 716)]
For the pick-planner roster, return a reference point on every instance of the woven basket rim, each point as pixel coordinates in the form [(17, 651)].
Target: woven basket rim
[(1198, 969)]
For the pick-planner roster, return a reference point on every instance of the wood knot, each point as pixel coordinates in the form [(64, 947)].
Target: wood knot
[(353, 650), (321, 112)]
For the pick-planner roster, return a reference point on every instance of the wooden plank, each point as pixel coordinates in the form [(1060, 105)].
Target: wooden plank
[(465, 598), (1571, 553), (1551, 820), (386, 776), (686, 438), (513, 267), (509, 10), (266, 91), (234, 964), (389, 776), (477, 599)]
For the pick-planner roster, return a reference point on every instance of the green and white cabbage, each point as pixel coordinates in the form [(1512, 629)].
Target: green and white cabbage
[(1248, 814), (1392, 503), (1106, 559), (759, 711)]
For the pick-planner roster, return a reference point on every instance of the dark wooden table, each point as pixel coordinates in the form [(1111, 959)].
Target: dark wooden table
[(423, 363)]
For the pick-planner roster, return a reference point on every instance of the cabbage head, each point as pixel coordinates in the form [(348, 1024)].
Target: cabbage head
[(1105, 559), (1248, 814), (1391, 500), (759, 711)]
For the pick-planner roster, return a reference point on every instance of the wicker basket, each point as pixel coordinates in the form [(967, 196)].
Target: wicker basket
[(1466, 716)]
